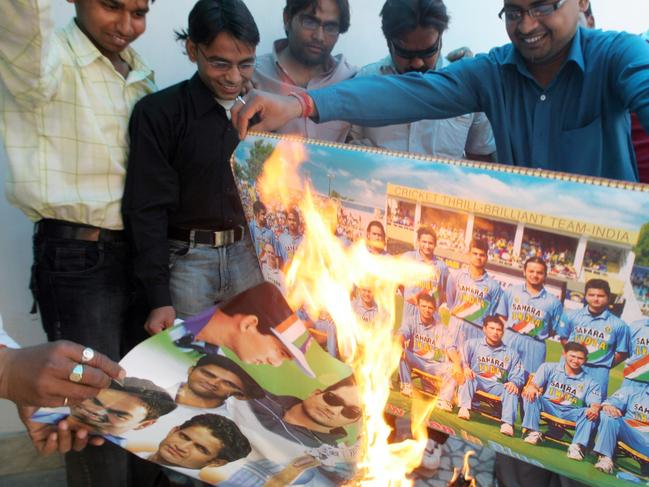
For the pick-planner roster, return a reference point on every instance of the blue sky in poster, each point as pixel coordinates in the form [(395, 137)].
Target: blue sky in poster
[(363, 176)]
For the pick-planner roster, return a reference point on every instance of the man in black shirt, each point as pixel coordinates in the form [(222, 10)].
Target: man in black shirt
[(181, 207)]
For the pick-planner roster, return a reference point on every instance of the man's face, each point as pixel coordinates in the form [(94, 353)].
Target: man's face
[(575, 360), (367, 297), (534, 274), (333, 409), (225, 65), (427, 245), (213, 382), (260, 216), (293, 223), (111, 25), (313, 32), (597, 300), (111, 412), (543, 39), (416, 50), (493, 332), (375, 238), (477, 258), (426, 311), (253, 347), (191, 447)]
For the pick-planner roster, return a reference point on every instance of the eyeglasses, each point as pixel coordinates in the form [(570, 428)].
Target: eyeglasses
[(350, 412), (245, 67), (311, 23), (514, 14), (423, 54)]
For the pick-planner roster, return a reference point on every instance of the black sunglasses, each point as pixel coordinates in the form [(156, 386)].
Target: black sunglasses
[(423, 54), (350, 412)]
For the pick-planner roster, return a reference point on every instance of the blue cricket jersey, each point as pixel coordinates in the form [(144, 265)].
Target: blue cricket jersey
[(429, 341), (496, 364), (636, 367), (533, 316), (471, 300), (433, 286), (567, 390)]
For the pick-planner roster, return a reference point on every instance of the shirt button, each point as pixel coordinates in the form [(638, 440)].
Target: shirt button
[(543, 97)]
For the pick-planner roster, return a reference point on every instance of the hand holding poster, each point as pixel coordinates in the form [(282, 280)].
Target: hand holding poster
[(515, 266)]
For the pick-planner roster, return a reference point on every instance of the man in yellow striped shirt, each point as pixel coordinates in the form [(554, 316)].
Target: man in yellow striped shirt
[(65, 100)]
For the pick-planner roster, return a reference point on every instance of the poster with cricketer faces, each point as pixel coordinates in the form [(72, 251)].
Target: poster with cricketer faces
[(530, 327)]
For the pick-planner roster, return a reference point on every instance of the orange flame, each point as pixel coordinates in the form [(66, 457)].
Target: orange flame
[(321, 278), (465, 472)]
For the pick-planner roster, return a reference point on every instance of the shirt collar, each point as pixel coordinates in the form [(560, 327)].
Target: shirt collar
[(202, 98), (86, 53), (562, 367), (539, 295), (575, 55), (495, 349)]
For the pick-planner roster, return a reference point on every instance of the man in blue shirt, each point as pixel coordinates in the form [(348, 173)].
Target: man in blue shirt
[(493, 367), (259, 230), (291, 239), (567, 391), (472, 294), (558, 97), (532, 315), (604, 335), (625, 418), (636, 368)]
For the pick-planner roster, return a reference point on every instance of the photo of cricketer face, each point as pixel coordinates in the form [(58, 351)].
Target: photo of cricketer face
[(257, 325), (213, 379), (206, 440)]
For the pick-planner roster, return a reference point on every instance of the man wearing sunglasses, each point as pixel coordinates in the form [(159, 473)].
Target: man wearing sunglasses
[(181, 206), (413, 30), (557, 97), (319, 419), (303, 60)]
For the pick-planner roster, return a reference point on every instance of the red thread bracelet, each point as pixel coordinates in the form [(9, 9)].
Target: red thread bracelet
[(306, 102)]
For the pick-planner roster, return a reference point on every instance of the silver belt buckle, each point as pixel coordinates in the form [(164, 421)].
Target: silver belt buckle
[(225, 237)]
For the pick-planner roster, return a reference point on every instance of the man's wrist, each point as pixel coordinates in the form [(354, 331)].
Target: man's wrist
[(6, 355)]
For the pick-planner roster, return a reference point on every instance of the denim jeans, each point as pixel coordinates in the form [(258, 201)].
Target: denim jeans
[(84, 292), (202, 275)]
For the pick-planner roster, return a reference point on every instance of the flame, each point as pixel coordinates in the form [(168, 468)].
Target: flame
[(464, 477), (321, 278)]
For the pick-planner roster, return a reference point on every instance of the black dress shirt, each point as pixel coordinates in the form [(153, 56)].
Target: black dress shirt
[(178, 175)]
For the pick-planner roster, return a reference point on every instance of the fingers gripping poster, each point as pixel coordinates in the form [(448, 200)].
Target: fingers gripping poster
[(518, 312)]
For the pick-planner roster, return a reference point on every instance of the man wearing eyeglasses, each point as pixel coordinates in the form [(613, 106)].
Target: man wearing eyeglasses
[(303, 60), (557, 97), (181, 206), (413, 30)]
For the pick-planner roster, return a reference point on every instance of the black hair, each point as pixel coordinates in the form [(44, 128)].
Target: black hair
[(208, 18), (401, 16), (158, 402), (492, 319), (426, 230), (600, 284), (480, 244), (294, 7), (251, 389), (428, 298), (235, 444), (264, 301), (376, 223), (350, 380), (575, 347), (536, 260), (258, 206)]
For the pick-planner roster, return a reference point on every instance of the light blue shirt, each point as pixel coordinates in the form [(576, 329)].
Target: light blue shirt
[(603, 335), (288, 244), (579, 123), (567, 390), (633, 402), (498, 364), (472, 299), (429, 341), (534, 316), (432, 286), (636, 366)]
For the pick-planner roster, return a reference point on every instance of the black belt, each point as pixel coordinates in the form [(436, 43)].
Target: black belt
[(215, 238), (77, 231)]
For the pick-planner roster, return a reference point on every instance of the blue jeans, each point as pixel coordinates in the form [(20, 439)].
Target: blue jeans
[(84, 292), (202, 275)]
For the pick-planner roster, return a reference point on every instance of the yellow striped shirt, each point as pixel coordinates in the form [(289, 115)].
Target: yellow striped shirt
[(64, 117)]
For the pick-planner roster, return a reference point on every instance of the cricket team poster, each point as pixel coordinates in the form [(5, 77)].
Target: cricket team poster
[(254, 393)]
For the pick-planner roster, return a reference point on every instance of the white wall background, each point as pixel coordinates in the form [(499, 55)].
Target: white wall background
[(474, 23)]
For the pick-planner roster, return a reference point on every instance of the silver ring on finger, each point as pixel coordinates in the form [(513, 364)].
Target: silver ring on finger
[(77, 373), (87, 355)]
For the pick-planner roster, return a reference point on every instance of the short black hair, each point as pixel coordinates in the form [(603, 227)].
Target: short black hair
[(209, 18), (258, 206), (251, 389), (600, 284), (480, 244), (492, 319), (158, 402), (350, 380), (401, 16), (536, 260), (378, 224), (294, 7), (426, 230), (235, 444), (265, 301), (575, 347)]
